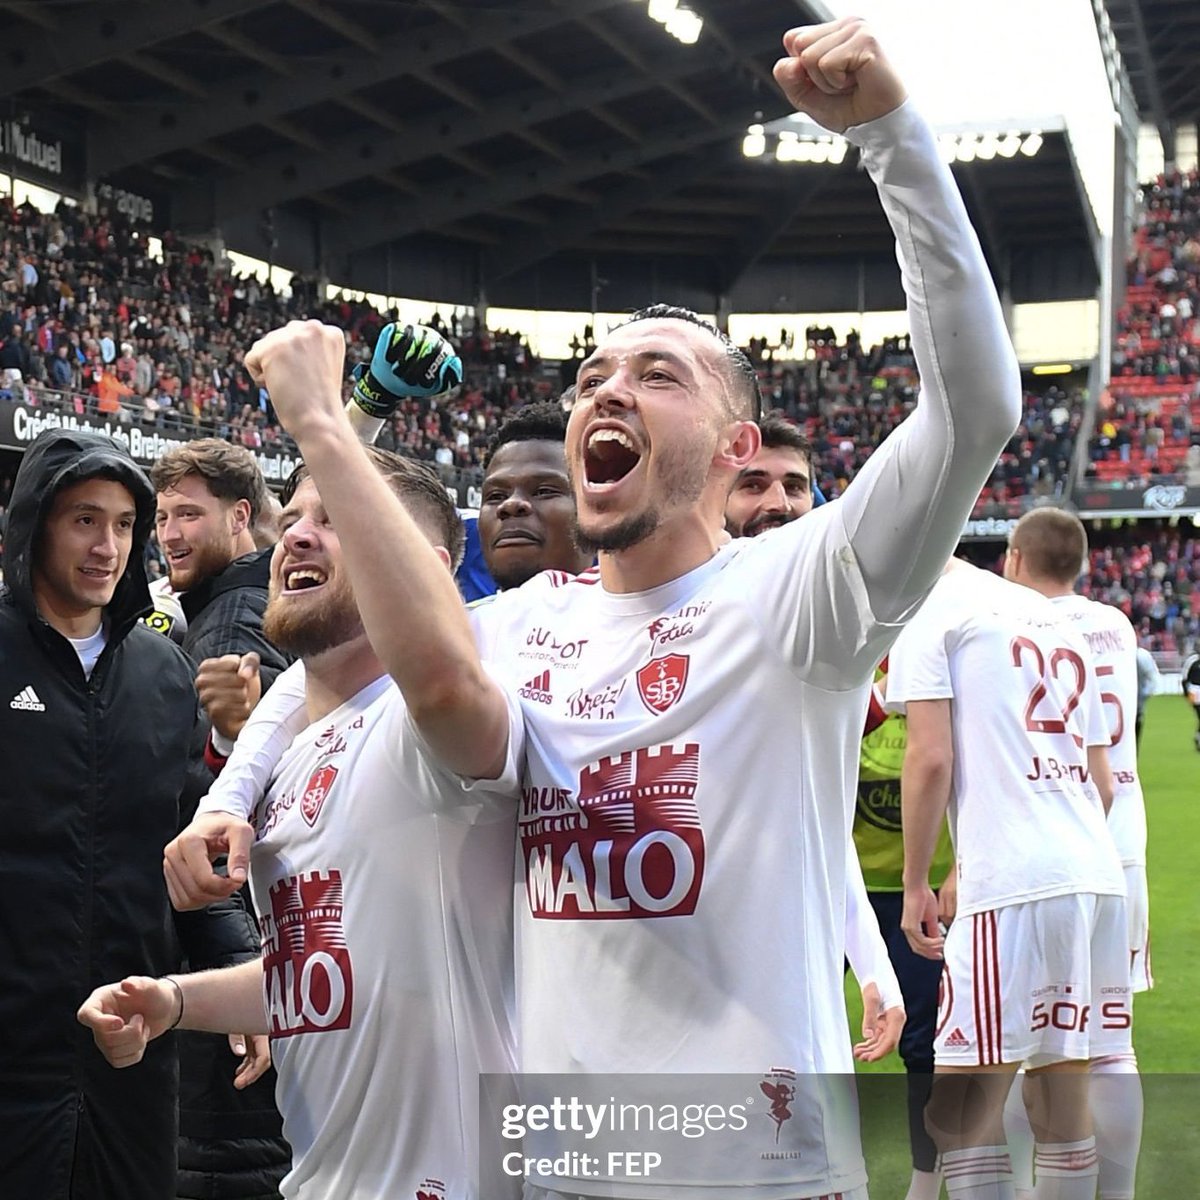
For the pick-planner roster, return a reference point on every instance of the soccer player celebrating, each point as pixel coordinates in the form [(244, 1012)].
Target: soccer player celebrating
[(1047, 550), (682, 871), (1006, 731), (385, 978)]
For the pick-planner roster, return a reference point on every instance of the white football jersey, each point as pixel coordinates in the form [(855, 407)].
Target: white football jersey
[(1025, 820), (683, 833), (1113, 644), (387, 954)]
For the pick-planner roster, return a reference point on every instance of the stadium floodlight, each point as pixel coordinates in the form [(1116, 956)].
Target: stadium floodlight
[(966, 148), (754, 144), (788, 147), (661, 10), (685, 25), (986, 150), (947, 147), (837, 150), (820, 151), (1032, 144), (1008, 145)]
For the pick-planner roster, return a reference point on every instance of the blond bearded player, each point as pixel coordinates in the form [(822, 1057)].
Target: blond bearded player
[(681, 874), (386, 972)]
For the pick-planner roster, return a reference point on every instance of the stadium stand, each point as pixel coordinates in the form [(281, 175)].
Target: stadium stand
[(1144, 428)]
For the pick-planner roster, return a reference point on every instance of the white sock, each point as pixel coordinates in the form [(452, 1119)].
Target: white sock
[(1116, 1095), (1020, 1139), (1066, 1170), (977, 1173), (924, 1185)]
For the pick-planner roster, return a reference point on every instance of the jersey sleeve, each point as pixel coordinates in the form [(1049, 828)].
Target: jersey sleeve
[(899, 521), (273, 725), (919, 664), (458, 795), (866, 950)]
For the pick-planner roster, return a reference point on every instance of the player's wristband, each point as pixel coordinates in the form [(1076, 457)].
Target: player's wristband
[(217, 750), (179, 992)]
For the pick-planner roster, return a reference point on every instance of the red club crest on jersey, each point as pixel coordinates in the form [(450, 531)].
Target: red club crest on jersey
[(662, 680), (315, 791)]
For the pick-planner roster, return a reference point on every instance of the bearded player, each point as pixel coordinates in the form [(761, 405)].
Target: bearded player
[(683, 911)]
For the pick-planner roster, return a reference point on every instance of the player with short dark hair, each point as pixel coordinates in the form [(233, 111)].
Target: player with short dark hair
[(681, 870), (526, 510), (777, 486)]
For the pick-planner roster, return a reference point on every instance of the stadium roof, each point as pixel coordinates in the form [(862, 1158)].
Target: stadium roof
[(525, 132), (1160, 43)]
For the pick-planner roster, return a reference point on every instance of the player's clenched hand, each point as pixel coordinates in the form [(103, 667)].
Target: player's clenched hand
[(255, 1053), (919, 922), (229, 687), (188, 860), (837, 74), (124, 1016), (881, 1027), (302, 367)]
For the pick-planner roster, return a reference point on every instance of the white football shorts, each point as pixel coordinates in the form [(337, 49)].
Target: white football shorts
[(1036, 983)]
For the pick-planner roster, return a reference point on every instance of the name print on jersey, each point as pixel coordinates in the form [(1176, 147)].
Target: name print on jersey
[(628, 846), (308, 981)]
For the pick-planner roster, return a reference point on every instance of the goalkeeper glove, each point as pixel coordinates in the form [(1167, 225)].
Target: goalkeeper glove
[(409, 360)]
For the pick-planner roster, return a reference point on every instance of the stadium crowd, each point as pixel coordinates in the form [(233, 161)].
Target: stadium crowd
[(92, 323), (1145, 426)]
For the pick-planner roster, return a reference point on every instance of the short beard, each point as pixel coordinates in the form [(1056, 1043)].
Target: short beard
[(208, 559), (310, 632), (629, 533), (768, 521), (683, 473)]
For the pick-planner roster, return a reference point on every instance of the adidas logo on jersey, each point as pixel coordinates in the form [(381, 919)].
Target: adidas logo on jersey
[(537, 689), (957, 1040), (27, 701)]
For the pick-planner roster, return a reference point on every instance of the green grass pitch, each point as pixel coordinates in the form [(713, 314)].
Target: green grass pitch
[(1166, 1025)]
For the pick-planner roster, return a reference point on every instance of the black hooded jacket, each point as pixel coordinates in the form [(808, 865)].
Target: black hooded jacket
[(89, 795), (231, 1144)]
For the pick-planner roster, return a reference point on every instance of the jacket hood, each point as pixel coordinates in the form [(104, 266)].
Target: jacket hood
[(55, 460)]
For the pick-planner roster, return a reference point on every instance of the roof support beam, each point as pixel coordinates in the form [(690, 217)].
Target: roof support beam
[(250, 98), (287, 175), (96, 33), (795, 194), (378, 223), (1166, 128), (673, 177)]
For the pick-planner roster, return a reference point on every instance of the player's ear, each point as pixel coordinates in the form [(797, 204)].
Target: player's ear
[(739, 442)]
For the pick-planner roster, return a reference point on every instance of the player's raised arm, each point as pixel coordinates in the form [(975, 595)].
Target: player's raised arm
[(905, 510), (410, 607)]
